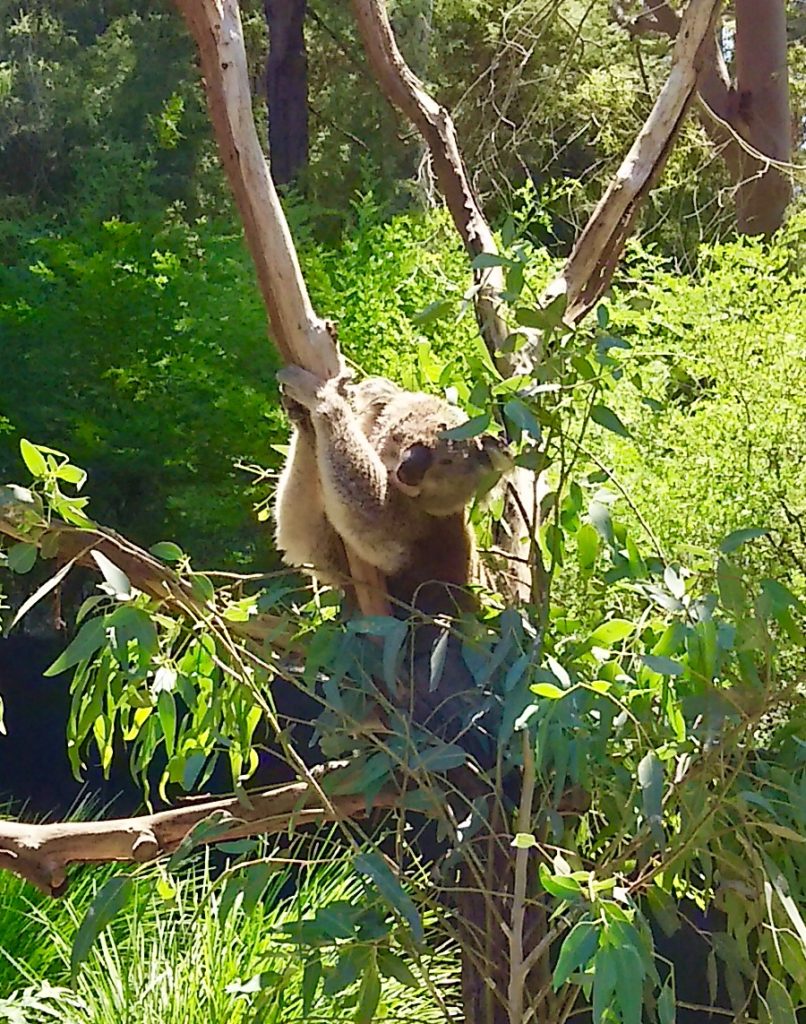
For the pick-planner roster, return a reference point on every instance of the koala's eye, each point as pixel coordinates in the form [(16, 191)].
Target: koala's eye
[(445, 460)]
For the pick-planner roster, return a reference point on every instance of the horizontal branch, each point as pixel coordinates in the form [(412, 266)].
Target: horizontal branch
[(42, 853), (146, 573)]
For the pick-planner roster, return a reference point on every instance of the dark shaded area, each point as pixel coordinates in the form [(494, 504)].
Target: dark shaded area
[(35, 773), (287, 89)]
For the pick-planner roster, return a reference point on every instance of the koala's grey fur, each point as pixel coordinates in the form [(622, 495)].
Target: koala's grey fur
[(368, 464)]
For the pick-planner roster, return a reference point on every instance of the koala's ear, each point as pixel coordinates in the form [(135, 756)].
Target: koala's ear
[(413, 466)]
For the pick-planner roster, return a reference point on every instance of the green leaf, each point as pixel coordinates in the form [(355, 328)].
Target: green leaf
[(166, 709), (87, 641), (579, 946), (547, 690), (775, 599), (667, 1008), (524, 841), (72, 475), (604, 981), (519, 414), (21, 557), (734, 540), (607, 418), (731, 589), (663, 666), (563, 886), (485, 260), (779, 1002), (650, 779), (371, 865), (602, 315), (310, 983), (393, 641), (434, 311), (629, 984), (472, 428), (202, 587), (441, 758), (192, 769), (167, 551), (109, 900), (369, 995), (587, 546), (610, 633), (33, 458), (214, 826), (393, 966)]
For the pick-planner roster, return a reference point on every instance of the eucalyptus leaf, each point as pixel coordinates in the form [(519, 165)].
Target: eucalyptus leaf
[(609, 420), (373, 867), (110, 899)]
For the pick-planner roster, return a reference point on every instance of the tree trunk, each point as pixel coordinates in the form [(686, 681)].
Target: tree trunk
[(765, 121), (287, 89)]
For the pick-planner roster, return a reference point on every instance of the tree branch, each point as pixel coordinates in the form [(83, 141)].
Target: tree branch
[(717, 107), (404, 90), (590, 267), (300, 335), (147, 574), (41, 854)]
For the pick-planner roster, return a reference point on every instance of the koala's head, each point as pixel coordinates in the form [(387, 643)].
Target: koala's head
[(442, 474)]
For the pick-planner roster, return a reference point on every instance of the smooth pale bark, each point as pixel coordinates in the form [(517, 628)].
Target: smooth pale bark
[(595, 256), (300, 335), (750, 122)]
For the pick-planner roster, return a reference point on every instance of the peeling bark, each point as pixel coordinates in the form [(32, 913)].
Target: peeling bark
[(595, 256), (754, 111)]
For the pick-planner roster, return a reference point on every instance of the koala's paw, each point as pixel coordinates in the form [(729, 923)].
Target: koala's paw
[(296, 413), (300, 385)]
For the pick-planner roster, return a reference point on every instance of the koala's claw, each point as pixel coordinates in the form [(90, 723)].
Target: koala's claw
[(300, 385)]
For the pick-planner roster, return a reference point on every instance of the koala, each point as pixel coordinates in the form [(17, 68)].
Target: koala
[(390, 485)]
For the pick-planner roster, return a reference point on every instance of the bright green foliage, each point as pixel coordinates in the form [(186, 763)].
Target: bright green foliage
[(100, 113), (180, 953), (712, 394), (141, 348)]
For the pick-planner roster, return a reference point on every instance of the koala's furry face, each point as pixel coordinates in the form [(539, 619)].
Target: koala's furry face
[(443, 475)]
